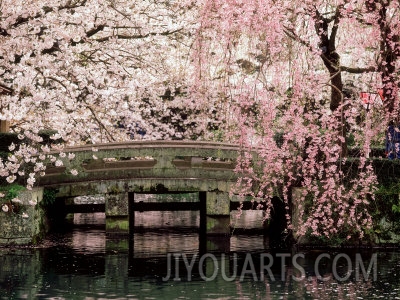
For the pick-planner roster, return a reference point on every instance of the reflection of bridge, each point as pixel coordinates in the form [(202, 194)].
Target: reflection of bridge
[(119, 170)]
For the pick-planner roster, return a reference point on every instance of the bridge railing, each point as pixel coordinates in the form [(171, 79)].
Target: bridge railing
[(146, 159)]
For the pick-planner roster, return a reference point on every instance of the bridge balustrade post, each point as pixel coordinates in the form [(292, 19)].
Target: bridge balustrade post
[(164, 163), (117, 213)]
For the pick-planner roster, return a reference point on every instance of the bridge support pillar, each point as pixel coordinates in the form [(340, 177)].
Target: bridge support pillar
[(217, 213), (117, 213), (24, 222)]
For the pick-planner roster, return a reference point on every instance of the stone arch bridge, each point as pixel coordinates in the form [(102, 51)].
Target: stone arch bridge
[(119, 170)]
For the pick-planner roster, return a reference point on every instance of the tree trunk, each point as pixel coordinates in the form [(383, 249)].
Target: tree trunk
[(331, 59), (389, 52), (4, 126), (335, 104)]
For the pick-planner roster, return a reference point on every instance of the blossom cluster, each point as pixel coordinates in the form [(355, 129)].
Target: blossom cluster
[(30, 158)]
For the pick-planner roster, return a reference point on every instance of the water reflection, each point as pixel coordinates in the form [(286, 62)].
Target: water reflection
[(167, 219), (84, 263)]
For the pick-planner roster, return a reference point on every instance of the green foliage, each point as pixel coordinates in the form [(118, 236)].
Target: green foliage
[(45, 135), (332, 241), (388, 197), (396, 207), (3, 155), (389, 188), (278, 138), (49, 197), (6, 139), (387, 207), (350, 140), (11, 191)]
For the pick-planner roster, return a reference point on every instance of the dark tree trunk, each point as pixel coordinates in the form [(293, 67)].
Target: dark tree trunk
[(389, 52), (331, 61)]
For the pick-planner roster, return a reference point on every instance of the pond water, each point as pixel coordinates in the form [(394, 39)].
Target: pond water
[(81, 262)]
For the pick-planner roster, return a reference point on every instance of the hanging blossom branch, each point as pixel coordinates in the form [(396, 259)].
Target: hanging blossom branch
[(331, 202), (30, 158)]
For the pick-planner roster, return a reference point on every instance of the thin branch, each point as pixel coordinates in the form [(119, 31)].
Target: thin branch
[(358, 70), (291, 34), (95, 30), (137, 36), (335, 28), (110, 136)]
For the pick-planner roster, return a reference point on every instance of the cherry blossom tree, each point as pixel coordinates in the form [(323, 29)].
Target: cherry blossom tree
[(96, 71), (294, 69), (88, 68)]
